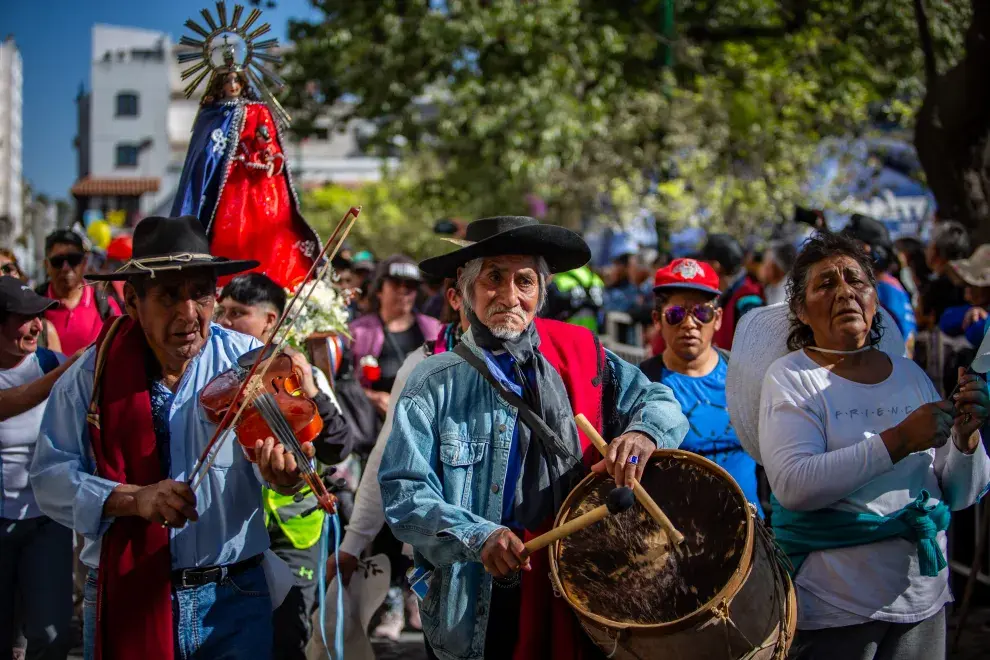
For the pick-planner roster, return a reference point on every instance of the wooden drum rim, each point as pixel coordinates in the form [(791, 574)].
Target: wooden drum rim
[(703, 613)]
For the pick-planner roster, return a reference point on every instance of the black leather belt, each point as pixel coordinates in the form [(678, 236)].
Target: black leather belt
[(186, 578)]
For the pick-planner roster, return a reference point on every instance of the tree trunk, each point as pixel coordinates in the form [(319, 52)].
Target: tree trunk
[(952, 133)]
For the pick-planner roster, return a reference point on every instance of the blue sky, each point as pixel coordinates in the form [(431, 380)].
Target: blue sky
[(54, 39)]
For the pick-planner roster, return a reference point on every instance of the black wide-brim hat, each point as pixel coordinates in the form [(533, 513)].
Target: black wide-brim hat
[(562, 249), (172, 244)]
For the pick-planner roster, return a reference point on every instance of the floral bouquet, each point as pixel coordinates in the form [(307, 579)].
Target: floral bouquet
[(324, 311)]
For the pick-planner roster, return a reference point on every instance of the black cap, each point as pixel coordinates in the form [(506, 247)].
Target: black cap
[(397, 267), (725, 250), (16, 297), (868, 230), (341, 263), (66, 237)]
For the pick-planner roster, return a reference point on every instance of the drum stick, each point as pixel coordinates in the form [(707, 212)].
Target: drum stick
[(644, 498), (619, 500)]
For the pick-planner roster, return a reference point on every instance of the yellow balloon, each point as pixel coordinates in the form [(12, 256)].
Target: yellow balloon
[(99, 232), (117, 218)]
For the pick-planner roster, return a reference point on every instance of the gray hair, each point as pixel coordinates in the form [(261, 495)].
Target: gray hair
[(472, 270)]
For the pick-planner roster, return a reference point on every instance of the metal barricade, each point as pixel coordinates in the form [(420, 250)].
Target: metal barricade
[(619, 326), (971, 516)]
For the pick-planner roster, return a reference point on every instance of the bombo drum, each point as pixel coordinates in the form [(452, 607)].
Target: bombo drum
[(722, 594)]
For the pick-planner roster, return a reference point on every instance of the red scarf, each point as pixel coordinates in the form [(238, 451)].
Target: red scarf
[(134, 606), (548, 627)]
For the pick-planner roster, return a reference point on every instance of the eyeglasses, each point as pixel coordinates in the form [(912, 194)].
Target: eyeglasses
[(703, 312), (73, 259)]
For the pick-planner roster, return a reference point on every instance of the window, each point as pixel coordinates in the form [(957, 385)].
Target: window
[(127, 104), (127, 155)]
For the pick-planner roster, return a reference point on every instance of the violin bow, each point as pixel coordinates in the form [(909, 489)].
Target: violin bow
[(231, 417)]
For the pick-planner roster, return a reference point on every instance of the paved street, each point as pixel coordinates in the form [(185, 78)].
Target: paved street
[(410, 647), (973, 646)]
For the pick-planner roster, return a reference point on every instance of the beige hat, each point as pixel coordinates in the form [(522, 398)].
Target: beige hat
[(974, 270), (362, 596), (761, 338)]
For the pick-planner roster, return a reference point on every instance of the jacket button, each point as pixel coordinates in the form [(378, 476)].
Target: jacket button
[(494, 488), (501, 428)]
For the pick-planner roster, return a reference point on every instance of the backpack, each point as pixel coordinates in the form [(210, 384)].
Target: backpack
[(100, 296), (47, 359)]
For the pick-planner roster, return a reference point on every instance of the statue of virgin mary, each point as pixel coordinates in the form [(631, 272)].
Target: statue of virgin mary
[(235, 178)]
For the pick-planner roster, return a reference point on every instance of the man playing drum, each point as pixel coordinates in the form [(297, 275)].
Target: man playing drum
[(484, 447)]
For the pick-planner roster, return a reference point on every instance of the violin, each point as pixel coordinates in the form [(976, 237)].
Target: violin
[(280, 391), (262, 396)]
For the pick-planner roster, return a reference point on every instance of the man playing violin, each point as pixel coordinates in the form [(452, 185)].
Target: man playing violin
[(180, 573)]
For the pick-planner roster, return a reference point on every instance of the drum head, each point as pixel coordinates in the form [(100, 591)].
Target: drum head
[(624, 570)]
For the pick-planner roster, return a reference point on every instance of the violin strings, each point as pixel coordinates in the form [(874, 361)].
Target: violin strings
[(285, 335), (200, 470), (272, 414)]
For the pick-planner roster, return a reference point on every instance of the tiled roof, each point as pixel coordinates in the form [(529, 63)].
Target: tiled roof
[(90, 186)]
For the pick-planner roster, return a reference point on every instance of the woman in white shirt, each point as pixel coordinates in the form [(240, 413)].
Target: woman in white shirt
[(865, 463)]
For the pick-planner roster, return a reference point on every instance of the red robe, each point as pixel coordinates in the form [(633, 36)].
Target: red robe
[(257, 216), (548, 627)]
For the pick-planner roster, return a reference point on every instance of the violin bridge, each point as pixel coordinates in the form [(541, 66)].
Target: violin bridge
[(255, 387)]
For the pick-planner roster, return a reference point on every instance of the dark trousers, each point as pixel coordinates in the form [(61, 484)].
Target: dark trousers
[(876, 640), (503, 625), (293, 619), (36, 581), (386, 543)]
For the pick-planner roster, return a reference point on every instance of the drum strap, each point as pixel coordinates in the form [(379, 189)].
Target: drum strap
[(527, 415)]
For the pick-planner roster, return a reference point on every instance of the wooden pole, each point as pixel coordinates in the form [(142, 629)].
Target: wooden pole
[(644, 498)]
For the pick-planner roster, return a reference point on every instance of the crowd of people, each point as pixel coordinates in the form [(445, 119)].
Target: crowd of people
[(449, 425)]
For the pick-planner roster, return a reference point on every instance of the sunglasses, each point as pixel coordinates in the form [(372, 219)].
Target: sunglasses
[(9, 269), (703, 312), (73, 259)]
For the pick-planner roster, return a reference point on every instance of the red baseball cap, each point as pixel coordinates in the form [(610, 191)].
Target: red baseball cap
[(686, 274)]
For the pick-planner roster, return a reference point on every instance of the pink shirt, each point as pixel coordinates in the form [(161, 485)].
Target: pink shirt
[(78, 327)]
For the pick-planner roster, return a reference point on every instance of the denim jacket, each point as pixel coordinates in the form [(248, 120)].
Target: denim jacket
[(443, 473)]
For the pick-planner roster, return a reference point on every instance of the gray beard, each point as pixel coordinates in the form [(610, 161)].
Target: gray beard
[(504, 333)]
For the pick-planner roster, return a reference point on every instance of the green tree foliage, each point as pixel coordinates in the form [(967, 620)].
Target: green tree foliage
[(952, 131), (572, 98), (397, 215), (385, 226)]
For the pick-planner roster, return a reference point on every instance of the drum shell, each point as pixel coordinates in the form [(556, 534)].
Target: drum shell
[(740, 622)]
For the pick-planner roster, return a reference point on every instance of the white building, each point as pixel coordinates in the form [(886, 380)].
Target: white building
[(122, 143), (11, 181), (135, 124)]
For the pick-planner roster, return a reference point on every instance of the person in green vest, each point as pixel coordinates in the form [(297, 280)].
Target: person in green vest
[(576, 296), (252, 304)]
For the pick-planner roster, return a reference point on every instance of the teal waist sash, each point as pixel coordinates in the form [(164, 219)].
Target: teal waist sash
[(799, 533)]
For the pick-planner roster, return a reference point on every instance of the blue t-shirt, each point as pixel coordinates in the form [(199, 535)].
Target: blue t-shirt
[(711, 434), (897, 303), (951, 324)]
